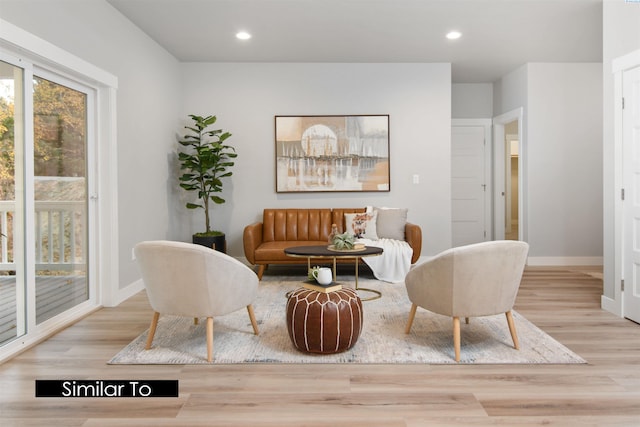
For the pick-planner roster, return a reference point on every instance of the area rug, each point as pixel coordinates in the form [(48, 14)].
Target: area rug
[(486, 340)]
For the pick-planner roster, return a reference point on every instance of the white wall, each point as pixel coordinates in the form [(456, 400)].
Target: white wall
[(621, 35), (148, 106), (510, 92), (472, 100), (564, 160), (562, 133), (151, 110), (246, 97)]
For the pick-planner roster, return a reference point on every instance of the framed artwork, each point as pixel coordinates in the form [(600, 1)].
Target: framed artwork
[(332, 153)]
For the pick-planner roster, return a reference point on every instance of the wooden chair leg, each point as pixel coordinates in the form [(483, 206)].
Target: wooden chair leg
[(152, 329), (209, 339), (512, 329), (466, 320), (261, 269), (252, 317), (412, 315), (456, 337), (195, 320)]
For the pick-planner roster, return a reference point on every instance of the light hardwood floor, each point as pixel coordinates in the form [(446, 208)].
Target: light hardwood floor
[(564, 302)]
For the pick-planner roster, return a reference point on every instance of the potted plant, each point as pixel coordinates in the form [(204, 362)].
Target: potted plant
[(206, 160)]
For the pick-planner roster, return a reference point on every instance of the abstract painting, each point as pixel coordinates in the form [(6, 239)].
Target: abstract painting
[(332, 153)]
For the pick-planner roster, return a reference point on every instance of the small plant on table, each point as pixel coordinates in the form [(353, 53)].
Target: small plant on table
[(344, 241)]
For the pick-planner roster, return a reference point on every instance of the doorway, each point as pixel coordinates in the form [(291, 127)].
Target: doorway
[(509, 194), (511, 181)]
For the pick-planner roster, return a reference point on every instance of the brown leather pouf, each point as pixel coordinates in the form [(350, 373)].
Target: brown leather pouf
[(324, 323)]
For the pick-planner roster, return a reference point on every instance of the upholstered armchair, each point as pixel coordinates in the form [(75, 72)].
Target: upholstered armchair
[(469, 281), (190, 280)]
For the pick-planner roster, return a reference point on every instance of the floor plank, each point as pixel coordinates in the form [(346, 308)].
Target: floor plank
[(562, 301)]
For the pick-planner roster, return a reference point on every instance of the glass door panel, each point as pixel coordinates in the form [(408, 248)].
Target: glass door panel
[(12, 277), (60, 196)]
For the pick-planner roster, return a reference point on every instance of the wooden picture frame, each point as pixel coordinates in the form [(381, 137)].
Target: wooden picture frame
[(332, 153)]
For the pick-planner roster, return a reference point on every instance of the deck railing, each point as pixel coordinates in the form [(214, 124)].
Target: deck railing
[(60, 235)]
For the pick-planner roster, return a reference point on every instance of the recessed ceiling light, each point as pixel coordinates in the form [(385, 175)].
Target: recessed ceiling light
[(243, 35), (453, 35)]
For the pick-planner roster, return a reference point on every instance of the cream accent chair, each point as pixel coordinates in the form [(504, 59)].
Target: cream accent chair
[(469, 281), (184, 279)]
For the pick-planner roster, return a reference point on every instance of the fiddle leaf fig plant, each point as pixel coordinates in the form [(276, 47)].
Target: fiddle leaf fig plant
[(205, 161)]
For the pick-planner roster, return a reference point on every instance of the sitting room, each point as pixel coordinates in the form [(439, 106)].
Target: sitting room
[(472, 156)]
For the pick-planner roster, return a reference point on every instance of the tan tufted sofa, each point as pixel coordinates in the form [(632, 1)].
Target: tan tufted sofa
[(264, 242)]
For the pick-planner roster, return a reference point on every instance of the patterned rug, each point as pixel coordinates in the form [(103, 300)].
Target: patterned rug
[(485, 340)]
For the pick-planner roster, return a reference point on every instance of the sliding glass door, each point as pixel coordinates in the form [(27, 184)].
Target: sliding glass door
[(12, 203), (60, 197), (44, 215)]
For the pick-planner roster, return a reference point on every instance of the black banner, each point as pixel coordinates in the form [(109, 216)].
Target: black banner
[(107, 388)]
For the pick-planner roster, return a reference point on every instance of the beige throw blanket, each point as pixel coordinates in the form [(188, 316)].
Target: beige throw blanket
[(394, 263)]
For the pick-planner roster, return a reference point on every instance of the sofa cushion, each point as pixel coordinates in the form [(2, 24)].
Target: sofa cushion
[(274, 251), (391, 223), (290, 225), (361, 225)]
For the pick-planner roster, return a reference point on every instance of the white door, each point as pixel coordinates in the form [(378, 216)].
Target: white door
[(468, 185), (631, 172)]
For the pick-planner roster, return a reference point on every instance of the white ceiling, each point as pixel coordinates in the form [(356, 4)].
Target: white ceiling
[(498, 35)]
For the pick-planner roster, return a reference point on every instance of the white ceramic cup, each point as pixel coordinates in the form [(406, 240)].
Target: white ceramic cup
[(323, 275)]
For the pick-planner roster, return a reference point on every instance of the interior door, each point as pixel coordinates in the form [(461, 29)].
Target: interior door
[(468, 185), (631, 173)]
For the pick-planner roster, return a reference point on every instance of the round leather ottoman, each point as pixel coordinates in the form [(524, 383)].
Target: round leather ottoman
[(325, 323)]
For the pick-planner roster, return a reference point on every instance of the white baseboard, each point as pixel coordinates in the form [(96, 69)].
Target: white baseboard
[(126, 293), (564, 261), (611, 305)]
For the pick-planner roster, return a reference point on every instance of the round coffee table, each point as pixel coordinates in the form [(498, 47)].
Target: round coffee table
[(323, 252)]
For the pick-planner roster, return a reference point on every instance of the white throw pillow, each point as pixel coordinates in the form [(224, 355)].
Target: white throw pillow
[(391, 222), (361, 225)]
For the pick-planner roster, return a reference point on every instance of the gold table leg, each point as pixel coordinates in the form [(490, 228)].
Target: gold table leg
[(377, 294)]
